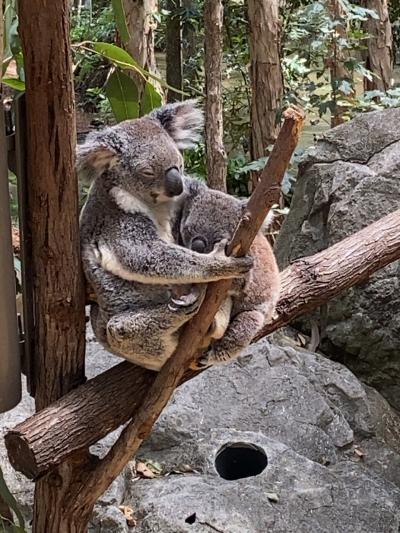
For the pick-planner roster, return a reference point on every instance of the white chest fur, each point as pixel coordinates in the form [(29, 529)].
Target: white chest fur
[(160, 215)]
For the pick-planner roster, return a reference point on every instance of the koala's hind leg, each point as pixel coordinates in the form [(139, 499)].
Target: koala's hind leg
[(238, 336), (149, 337)]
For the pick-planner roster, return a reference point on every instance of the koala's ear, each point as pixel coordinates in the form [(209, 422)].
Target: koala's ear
[(183, 121), (93, 159)]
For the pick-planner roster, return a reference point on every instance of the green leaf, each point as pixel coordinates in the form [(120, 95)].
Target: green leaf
[(11, 501), (120, 19), (122, 94), (14, 83), (122, 59), (150, 100)]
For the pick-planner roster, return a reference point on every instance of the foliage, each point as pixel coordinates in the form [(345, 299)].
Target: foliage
[(314, 41), (11, 502)]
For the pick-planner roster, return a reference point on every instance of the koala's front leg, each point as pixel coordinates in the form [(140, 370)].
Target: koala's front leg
[(238, 336), (163, 263)]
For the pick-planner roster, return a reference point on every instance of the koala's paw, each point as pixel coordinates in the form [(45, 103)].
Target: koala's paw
[(213, 356), (189, 303), (232, 266)]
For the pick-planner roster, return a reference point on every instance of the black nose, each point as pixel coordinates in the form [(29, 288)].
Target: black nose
[(173, 182)]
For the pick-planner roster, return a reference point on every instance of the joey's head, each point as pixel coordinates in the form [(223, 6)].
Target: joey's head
[(208, 217), (143, 157)]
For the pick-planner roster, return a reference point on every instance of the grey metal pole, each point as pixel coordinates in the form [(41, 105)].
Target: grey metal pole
[(10, 364)]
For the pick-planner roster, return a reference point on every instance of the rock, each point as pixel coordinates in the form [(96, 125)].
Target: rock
[(332, 447), (349, 180)]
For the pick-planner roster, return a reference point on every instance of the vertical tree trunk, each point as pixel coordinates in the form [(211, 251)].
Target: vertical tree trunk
[(141, 25), (337, 67), (174, 50), (59, 312), (189, 45), (266, 75), (379, 56), (214, 125)]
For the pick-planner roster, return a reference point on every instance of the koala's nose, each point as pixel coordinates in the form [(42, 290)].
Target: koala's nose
[(173, 182)]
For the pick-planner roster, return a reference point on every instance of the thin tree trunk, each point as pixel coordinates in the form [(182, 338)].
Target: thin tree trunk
[(339, 73), (214, 122), (59, 313), (189, 42), (379, 56), (266, 76), (174, 50), (141, 25)]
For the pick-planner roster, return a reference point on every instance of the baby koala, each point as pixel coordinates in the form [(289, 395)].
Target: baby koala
[(208, 218)]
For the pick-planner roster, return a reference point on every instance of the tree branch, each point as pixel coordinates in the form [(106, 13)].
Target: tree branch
[(91, 411)]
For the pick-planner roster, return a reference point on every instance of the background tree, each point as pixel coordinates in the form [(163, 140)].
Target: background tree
[(214, 127), (174, 49), (141, 23), (379, 56), (265, 74)]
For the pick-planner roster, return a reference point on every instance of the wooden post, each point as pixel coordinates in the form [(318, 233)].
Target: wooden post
[(58, 288)]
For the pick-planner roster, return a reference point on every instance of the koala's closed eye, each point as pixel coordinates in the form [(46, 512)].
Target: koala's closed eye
[(145, 171), (199, 244)]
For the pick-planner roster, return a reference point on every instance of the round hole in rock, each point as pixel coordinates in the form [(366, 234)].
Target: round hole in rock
[(238, 460)]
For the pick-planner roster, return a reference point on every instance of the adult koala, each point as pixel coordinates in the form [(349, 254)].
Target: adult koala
[(210, 217), (129, 255)]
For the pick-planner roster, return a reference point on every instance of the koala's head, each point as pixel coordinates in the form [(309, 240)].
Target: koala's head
[(142, 156), (208, 217)]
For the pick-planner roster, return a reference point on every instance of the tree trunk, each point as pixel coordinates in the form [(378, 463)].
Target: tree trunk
[(214, 122), (189, 46), (337, 67), (174, 50), (379, 56), (58, 287), (141, 25), (266, 76)]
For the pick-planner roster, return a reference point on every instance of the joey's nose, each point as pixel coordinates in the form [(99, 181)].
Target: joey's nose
[(173, 182)]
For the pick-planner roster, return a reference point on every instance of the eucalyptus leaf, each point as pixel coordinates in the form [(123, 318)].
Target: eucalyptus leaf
[(151, 99), (9, 499), (14, 83), (122, 94), (120, 19)]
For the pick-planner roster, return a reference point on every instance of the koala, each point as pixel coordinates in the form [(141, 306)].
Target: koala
[(129, 255), (209, 217)]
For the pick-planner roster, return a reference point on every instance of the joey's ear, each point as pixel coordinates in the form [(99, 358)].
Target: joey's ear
[(183, 121), (92, 159)]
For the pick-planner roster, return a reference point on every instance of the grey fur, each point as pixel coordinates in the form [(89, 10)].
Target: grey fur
[(128, 252), (212, 216)]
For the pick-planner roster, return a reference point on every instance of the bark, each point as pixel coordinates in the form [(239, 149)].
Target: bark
[(174, 50), (337, 59), (88, 413), (58, 288), (379, 56), (266, 76), (141, 25), (214, 122)]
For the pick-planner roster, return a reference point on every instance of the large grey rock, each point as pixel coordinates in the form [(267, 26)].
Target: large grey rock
[(333, 449), (350, 179)]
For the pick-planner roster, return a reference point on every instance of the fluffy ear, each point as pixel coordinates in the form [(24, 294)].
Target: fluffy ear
[(93, 159), (183, 121)]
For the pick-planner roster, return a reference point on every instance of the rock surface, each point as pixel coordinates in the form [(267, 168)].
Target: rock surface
[(350, 179), (332, 444)]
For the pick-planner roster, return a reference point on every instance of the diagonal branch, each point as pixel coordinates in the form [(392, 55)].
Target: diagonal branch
[(172, 372)]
